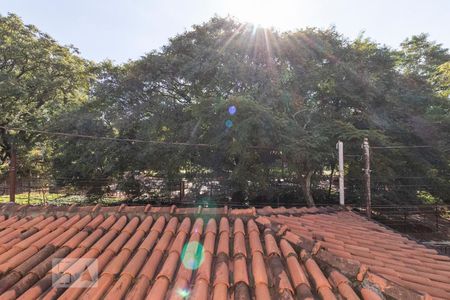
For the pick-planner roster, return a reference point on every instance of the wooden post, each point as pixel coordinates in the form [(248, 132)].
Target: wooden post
[(366, 177), (340, 147), (29, 186), (182, 188), (404, 220), (436, 211), (12, 174)]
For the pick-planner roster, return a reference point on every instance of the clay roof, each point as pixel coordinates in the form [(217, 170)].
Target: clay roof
[(210, 253)]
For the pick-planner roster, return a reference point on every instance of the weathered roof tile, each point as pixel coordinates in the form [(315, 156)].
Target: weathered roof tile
[(179, 253)]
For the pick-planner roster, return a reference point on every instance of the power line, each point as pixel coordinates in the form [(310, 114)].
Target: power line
[(400, 147), (96, 137)]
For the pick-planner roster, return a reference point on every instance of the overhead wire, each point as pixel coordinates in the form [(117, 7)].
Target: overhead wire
[(400, 147), (97, 137)]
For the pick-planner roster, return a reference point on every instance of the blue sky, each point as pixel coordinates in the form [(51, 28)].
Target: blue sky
[(122, 30)]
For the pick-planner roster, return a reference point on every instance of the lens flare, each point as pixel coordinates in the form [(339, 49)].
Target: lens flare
[(192, 255), (183, 293), (207, 201), (229, 123), (232, 110)]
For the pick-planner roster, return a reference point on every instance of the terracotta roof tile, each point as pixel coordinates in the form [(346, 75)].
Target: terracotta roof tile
[(8, 222), (240, 270), (135, 264), (259, 269), (180, 288), (239, 244), (87, 242), (220, 292), (37, 268), (105, 259), (200, 290), (138, 291), (316, 274), (297, 272), (150, 267), (133, 242), (39, 234), (179, 253), (221, 272), (238, 226), (211, 226), (24, 223), (279, 276), (165, 276), (204, 271), (343, 285), (118, 291), (224, 243), (368, 294), (159, 225), (224, 225), (255, 242), (210, 241), (159, 289), (271, 243)]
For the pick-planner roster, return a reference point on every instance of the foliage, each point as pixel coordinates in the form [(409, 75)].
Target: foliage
[(38, 80), (268, 105), (32, 198)]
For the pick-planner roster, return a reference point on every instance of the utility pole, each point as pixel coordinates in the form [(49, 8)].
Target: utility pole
[(366, 177), (12, 174), (340, 147)]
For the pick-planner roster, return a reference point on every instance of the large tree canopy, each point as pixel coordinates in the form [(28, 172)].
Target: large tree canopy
[(269, 104), (38, 80)]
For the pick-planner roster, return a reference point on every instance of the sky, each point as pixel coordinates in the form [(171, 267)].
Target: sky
[(121, 30)]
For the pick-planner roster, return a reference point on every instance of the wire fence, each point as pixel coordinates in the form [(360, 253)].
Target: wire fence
[(412, 203), (194, 189), (388, 192)]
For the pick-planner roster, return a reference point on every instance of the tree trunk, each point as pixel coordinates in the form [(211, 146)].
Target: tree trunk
[(305, 182)]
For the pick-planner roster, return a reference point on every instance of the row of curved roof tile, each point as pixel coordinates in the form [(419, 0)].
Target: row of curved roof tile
[(196, 253), (173, 210)]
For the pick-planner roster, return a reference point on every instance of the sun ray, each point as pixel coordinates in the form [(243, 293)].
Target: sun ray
[(232, 37)]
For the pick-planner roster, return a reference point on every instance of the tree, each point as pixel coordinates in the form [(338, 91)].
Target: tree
[(38, 80), (421, 57), (293, 96), (441, 80)]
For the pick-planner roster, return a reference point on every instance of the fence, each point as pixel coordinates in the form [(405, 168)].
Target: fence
[(192, 189)]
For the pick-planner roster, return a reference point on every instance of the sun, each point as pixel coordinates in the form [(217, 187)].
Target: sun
[(265, 13)]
